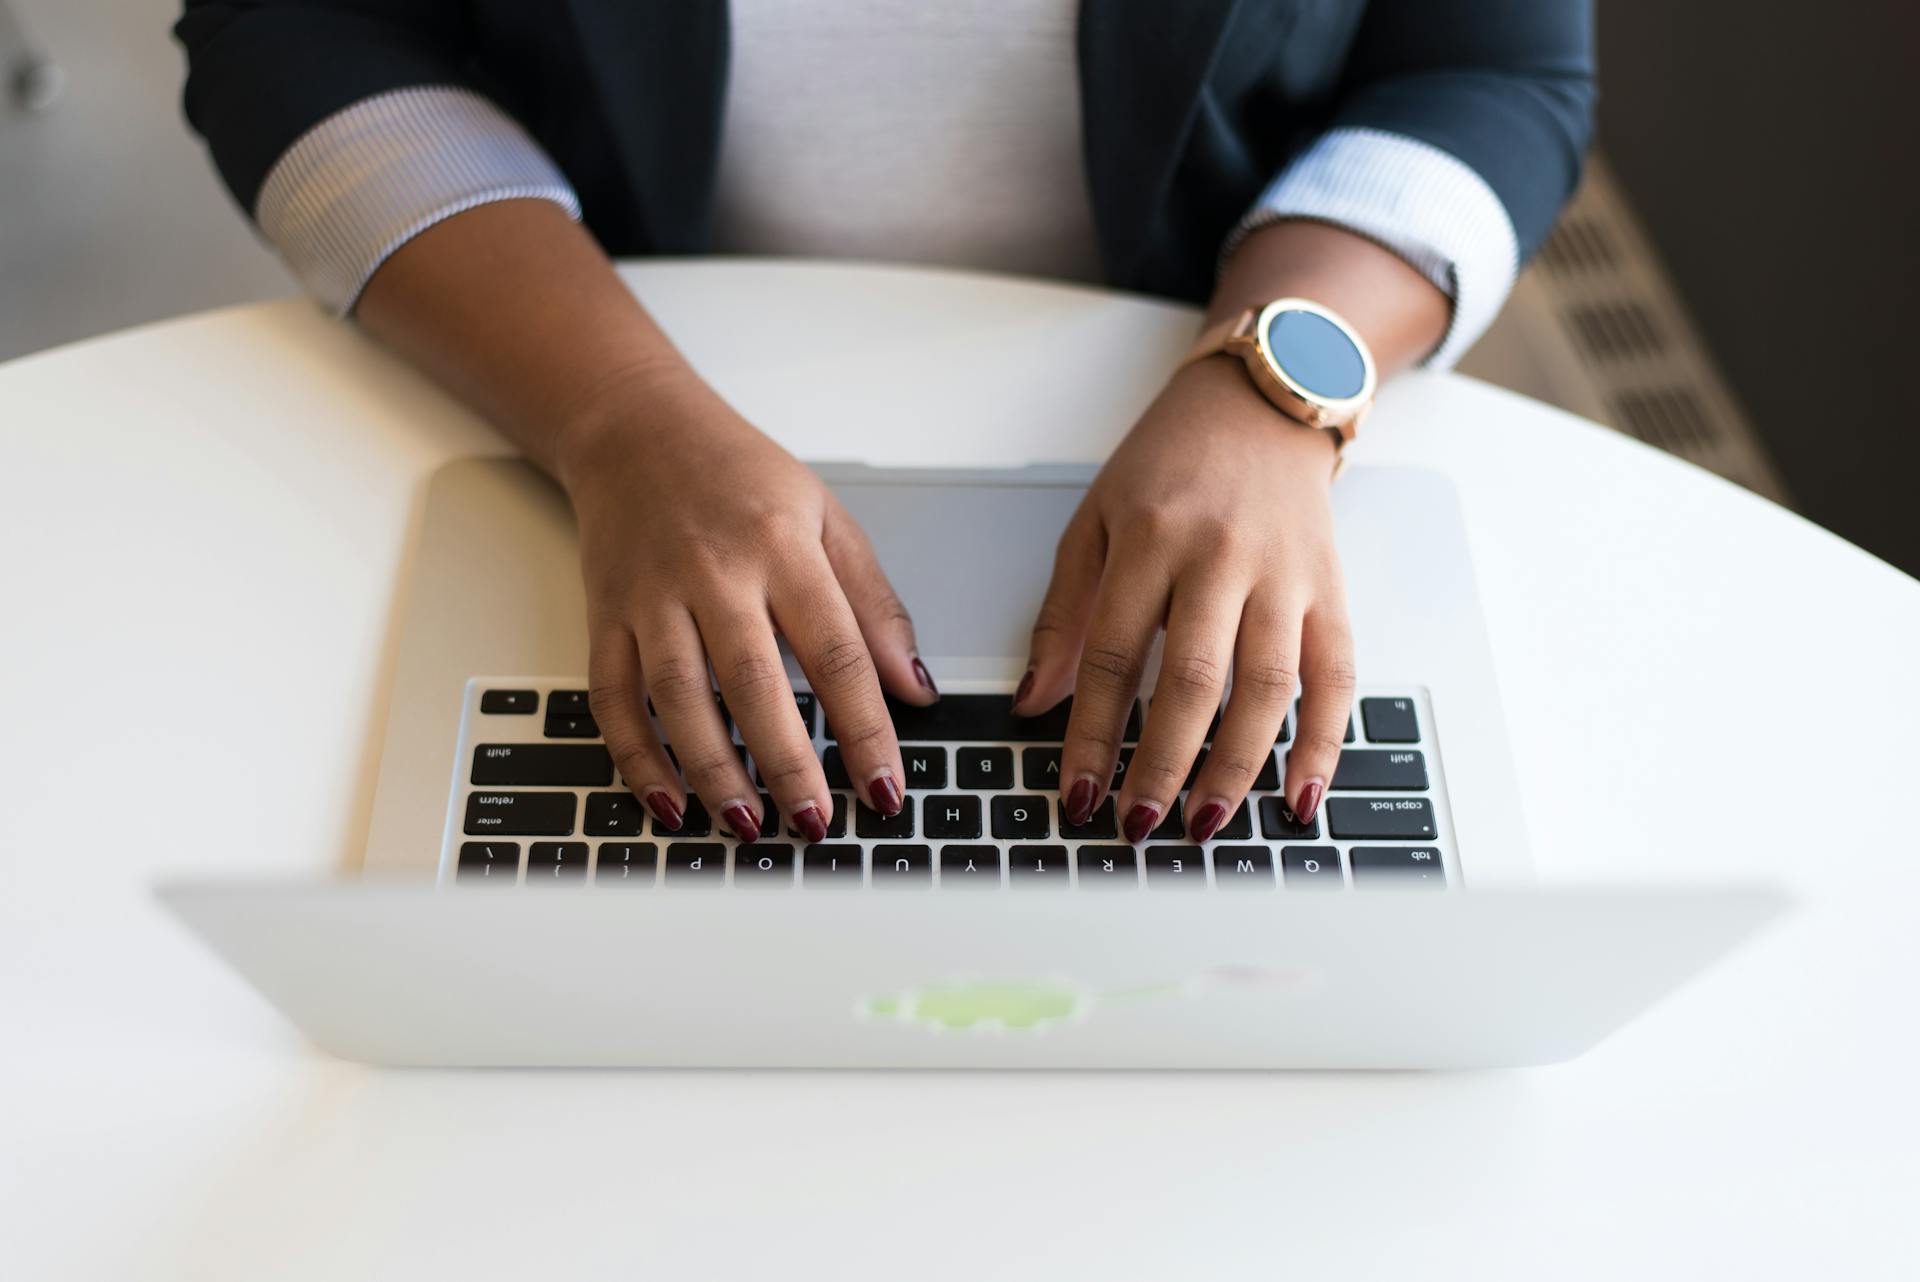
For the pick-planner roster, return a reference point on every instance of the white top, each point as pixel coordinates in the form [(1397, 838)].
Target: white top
[(209, 522)]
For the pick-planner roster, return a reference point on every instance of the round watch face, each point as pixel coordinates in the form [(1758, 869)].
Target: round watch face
[(1317, 354)]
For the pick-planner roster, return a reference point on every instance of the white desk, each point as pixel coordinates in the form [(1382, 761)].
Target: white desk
[(204, 525)]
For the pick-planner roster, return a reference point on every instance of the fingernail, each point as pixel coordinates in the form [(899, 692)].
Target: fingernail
[(924, 677), (1140, 821), (885, 794), (664, 810), (1080, 801), (741, 820), (811, 823), (1208, 821), (1309, 802), (1026, 688)]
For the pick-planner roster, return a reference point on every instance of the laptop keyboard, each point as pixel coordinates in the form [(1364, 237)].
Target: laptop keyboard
[(537, 803)]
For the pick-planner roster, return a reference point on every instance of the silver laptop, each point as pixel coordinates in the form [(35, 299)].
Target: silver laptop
[(519, 908)]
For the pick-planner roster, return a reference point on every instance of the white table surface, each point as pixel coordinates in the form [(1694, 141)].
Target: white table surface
[(204, 527)]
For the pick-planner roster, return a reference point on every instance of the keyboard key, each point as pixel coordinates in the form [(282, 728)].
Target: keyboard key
[(1108, 866), (613, 814), (1311, 867), (809, 711), (1040, 768), (520, 814), (1172, 825), (833, 865), (1176, 866), (1098, 827), (984, 718), (694, 821), (1242, 867), (763, 863), (541, 765), (509, 703), (1286, 729), (1238, 827), (1038, 865), (971, 866), (1394, 819), (1193, 771), (626, 863), (952, 815), (984, 767), (552, 863), (1409, 866), (1016, 817), (869, 822), (835, 767), (492, 862), (696, 863), (581, 727), (1390, 720), (1349, 734), (902, 865), (1380, 770), (567, 703), (836, 826), (926, 767), (1277, 822), (1268, 780)]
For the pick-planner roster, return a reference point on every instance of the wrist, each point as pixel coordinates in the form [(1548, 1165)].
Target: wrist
[(1222, 385), (642, 402)]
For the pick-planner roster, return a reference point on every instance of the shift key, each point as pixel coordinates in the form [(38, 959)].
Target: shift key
[(520, 814), (1386, 818), (542, 765)]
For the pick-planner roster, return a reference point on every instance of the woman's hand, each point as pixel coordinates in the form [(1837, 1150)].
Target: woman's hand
[(1211, 518), (700, 539)]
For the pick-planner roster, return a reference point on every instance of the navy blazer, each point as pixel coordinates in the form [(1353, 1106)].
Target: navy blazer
[(1190, 107)]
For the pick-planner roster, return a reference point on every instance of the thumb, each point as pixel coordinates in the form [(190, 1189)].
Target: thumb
[(1060, 629), (884, 622)]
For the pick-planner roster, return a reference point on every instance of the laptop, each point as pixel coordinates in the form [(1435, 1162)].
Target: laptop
[(517, 906)]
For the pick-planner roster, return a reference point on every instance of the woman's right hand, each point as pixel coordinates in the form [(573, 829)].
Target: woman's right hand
[(700, 540)]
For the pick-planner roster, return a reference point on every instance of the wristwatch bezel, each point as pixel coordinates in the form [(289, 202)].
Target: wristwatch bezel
[(1339, 414)]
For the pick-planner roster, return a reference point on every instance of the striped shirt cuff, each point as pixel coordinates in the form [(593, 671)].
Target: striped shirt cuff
[(1414, 199), (369, 178)]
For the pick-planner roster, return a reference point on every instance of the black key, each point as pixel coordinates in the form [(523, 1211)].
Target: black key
[(869, 822), (694, 821), (1172, 826), (613, 814), (1108, 866), (1177, 866), (564, 727), (1311, 867), (1040, 768), (769, 817), (926, 767), (974, 866), (1098, 827), (1016, 817), (1238, 827), (505, 703), (950, 815), (1413, 867), (1380, 770), (1395, 818), (520, 814), (984, 718), (902, 865), (984, 767), (836, 768), (1038, 865), (809, 711), (1193, 771), (1268, 780), (1349, 738), (542, 765), (836, 825), (493, 862), (833, 865), (552, 863), (1277, 821), (1390, 720), (696, 863), (1286, 729), (626, 863), (763, 863), (567, 703), (1242, 867)]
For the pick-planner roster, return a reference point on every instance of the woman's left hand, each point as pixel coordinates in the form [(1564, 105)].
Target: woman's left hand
[(1212, 519)]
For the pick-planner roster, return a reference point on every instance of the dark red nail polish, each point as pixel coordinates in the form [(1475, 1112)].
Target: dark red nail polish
[(886, 795), (1080, 801), (1309, 801), (740, 819), (924, 677), (664, 810), (1208, 821), (811, 823), (1026, 688), (1139, 822)]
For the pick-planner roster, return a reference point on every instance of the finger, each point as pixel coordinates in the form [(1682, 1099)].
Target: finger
[(1060, 628), (825, 637), (1326, 701), (1126, 617), (1201, 624), (1263, 685), (675, 663), (618, 699), (883, 620)]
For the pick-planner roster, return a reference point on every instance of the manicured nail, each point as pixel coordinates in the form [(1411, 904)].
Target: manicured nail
[(1026, 688), (1080, 801), (1140, 821), (811, 823), (664, 810), (1309, 802), (924, 677), (885, 794), (1208, 821), (741, 820)]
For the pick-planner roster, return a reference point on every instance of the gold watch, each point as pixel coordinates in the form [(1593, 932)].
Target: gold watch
[(1305, 358)]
